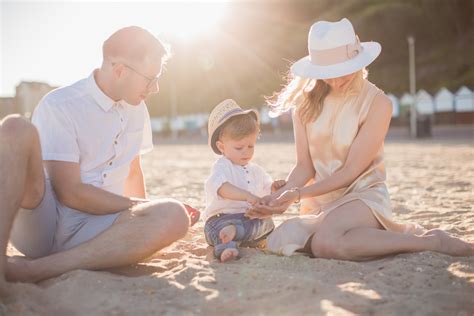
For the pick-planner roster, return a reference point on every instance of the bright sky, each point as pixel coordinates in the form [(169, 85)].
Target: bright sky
[(59, 42)]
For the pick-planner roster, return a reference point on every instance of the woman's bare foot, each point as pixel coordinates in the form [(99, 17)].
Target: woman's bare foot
[(227, 234), (229, 254), (18, 270), (451, 245)]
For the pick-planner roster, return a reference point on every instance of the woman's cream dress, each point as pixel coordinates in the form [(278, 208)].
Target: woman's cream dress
[(330, 137)]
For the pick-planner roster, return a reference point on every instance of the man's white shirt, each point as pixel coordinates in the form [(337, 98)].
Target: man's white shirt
[(79, 123)]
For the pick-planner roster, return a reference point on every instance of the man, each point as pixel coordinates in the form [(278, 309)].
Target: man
[(88, 210)]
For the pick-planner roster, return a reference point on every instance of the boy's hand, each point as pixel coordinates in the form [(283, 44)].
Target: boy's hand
[(252, 199), (277, 184)]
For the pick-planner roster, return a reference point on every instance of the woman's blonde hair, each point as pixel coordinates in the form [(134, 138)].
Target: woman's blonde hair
[(307, 95)]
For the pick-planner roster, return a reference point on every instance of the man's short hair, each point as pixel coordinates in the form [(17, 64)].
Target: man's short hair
[(136, 45)]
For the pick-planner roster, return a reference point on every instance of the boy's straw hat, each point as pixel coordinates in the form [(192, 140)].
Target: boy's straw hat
[(334, 51), (221, 113)]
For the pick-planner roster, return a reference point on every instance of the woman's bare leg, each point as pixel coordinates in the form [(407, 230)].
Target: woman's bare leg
[(351, 232)]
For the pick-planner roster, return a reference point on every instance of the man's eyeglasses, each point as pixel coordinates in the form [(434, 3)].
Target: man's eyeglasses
[(151, 81)]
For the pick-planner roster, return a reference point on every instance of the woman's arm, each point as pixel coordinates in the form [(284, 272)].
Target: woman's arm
[(303, 171), (361, 154)]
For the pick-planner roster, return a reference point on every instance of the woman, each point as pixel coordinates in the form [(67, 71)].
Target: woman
[(340, 123)]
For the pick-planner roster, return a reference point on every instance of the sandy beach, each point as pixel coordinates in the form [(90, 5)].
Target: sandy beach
[(430, 182)]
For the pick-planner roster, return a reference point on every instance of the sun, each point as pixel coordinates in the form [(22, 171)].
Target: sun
[(186, 20)]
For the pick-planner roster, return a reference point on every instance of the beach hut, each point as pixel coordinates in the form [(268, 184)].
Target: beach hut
[(177, 124), (464, 100), (395, 105), (406, 100), (264, 117), (424, 103), (444, 101), (404, 105), (444, 107), (158, 124), (202, 119), (191, 123), (267, 123)]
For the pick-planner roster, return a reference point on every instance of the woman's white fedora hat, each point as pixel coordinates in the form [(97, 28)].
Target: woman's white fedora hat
[(334, 51)]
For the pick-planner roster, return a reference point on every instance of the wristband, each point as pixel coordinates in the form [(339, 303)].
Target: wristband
[(299, 194)]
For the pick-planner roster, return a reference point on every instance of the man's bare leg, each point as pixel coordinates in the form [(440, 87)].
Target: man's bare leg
[(135, 235), (22, 178)]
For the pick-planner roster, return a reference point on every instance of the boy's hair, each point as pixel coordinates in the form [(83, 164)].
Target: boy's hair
[(239, 126)]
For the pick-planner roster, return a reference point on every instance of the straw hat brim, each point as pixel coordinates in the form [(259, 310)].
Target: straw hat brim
[(215, 134), (305, 69)]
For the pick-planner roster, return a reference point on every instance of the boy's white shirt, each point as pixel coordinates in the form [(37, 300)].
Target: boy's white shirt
[(250, 177)]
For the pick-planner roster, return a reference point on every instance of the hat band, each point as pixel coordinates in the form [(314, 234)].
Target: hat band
[(335, 55), (237, 110)]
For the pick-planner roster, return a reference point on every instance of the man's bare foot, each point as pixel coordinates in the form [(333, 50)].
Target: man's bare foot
[(451, 245), (18, 270), (227, 234), (229, 254)]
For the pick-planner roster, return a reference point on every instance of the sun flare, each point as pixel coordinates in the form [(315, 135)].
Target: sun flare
[(186, 20)]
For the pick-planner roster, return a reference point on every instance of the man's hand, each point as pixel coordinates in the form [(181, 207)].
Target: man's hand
[(277, 184)]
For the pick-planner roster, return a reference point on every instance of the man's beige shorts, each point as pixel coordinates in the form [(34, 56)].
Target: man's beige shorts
[(52, 227)]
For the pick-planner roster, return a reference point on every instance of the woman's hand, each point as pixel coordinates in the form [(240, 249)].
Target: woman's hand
[(266, 199), (287, 197), (274, 206), (278, 184), (264, 210)]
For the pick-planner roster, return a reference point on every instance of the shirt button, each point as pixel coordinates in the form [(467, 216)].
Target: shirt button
[(105, 175), (248, 181), (110, 163), (115, 142), (121, 120)]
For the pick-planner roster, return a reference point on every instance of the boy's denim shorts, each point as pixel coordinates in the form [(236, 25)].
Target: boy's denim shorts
[(249, 231)]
